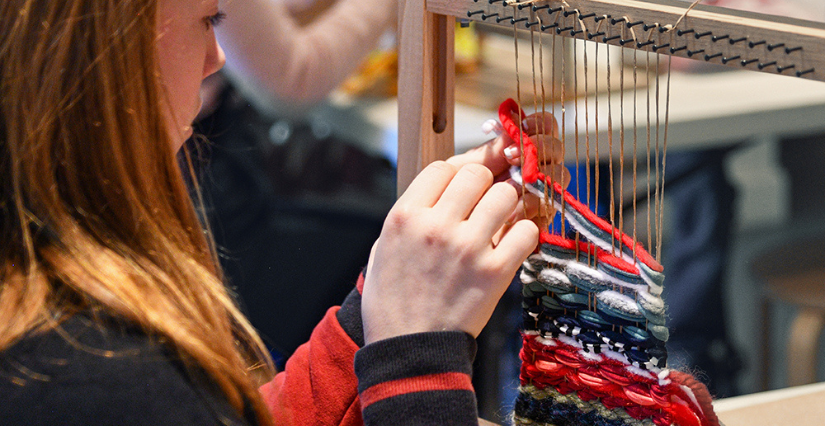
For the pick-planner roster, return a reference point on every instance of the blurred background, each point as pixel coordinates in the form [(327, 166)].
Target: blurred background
[(297, 190)]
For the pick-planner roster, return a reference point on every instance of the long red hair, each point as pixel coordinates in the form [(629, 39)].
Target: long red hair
[(94, 211)]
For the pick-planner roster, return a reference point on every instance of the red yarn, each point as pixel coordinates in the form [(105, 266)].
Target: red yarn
[(566, 243), (571, 372), (530, 174), (639, 394), (530, 167), (683, 415), (700, 392), (593, 378), (660, 395), (586, 396), (615, 375), (562, 367), (585, 247), (663, 419)]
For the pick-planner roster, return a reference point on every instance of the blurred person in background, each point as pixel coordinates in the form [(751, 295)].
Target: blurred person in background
[(290, 202)]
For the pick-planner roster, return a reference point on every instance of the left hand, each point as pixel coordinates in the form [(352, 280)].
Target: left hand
[(543, 130)]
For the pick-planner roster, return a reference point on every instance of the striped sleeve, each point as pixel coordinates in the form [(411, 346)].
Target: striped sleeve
[(418, 379)]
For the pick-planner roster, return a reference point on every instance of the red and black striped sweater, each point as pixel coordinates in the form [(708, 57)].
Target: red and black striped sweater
[(420, 379)]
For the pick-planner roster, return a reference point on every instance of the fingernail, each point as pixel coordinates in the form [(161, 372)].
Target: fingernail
[(512, 152), (492, 126), (524, 124)]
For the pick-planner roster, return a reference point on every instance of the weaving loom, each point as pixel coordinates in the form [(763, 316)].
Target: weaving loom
[(594, 331)]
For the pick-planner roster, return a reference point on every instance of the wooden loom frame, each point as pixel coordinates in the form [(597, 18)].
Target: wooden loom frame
[(735, 38)]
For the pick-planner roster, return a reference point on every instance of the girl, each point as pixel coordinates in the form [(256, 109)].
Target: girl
[(112, 308)]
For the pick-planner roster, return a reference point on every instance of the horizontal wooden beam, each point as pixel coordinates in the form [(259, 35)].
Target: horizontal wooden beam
[(744, 40)]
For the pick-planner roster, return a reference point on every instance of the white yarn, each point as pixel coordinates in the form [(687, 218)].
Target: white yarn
[(619, 301), (582, 270), (654, 288)]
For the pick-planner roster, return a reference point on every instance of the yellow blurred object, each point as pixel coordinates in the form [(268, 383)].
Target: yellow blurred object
[(377, 76), (467, 49)]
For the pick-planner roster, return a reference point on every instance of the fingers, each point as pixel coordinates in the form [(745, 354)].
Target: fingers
[(543, 130), (541, 123), (530, 205), (426, 189), (501, 152), (516, 244), (464, 191), (489, 155), (548, 149), (493, 210), (498, 155)]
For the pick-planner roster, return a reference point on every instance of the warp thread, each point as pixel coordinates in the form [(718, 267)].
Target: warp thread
[(594, 331)]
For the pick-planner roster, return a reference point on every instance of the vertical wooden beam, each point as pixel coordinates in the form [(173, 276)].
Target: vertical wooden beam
[(426, 91)]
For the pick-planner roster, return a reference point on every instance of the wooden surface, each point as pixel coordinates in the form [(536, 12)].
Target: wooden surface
[(761, 42), (798, 406), (425, 89)]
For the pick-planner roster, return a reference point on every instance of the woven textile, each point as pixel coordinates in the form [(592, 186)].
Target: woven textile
[(594, 328)]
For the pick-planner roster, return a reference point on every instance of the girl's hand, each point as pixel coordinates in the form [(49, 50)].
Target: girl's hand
[(436, 266), (502, 152), (454, 240)]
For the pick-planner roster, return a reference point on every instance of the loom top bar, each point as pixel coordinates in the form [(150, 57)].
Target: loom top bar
[(745, 40)]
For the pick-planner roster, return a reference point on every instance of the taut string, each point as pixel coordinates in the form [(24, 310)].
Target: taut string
[(520, 119)]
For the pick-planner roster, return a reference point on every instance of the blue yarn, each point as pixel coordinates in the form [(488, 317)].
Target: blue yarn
[(547, 327), (593, 321), (639, 337), (557, 252), (589, 337), (577, 301), (661, 354), (616, 337), (591, 285), (620, 274), (529, 408), (563, 414), (635, 355), (619, 313), (536, 287), (532, 305), (594, 419), (555, 303), (569, 321), (526, 291), (614, 320), (559, 414)]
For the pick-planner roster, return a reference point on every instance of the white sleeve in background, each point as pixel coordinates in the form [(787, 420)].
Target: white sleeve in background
[(266, 48)]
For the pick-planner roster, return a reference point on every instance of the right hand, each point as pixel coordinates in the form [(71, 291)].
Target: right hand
[(446, 254)]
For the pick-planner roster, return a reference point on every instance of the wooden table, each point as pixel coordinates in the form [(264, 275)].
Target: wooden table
[(796, 406)]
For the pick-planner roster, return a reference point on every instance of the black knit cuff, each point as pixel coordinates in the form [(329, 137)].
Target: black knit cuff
[(418, 379), (349, 316)]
